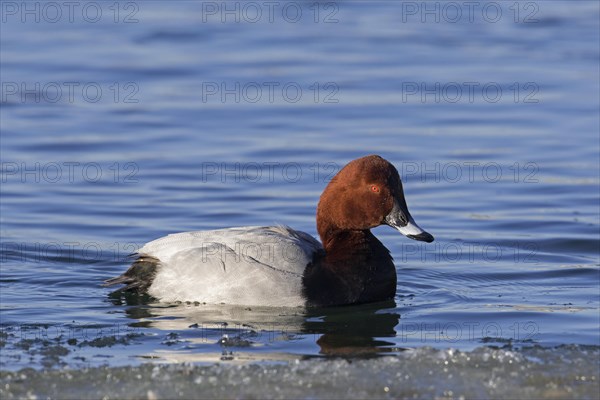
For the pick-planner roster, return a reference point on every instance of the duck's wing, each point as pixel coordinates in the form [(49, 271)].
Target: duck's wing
[(279, 246)]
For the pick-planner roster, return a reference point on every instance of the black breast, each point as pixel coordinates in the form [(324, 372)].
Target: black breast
[(356, 268)]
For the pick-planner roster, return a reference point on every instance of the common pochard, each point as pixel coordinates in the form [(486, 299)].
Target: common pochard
[(279, 266)]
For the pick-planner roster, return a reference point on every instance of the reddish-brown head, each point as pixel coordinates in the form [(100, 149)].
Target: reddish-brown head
[(364, 194)]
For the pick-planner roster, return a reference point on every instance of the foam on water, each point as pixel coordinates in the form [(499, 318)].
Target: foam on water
[(421, 373)]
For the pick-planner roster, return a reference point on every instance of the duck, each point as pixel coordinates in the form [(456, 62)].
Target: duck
[(277, 266)]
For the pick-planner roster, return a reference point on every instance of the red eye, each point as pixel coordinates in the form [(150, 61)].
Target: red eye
[(375, 188)]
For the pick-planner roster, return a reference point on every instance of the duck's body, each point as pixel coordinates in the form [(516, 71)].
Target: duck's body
[(246, 265), (279, 266)]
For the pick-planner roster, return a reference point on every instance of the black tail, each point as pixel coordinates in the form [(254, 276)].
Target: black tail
[(138, 277)]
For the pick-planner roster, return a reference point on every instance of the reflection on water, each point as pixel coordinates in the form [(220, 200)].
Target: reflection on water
[(355, 330), (251, 332)]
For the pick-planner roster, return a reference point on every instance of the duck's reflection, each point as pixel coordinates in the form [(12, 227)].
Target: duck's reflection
[(354, 330), (338, 331)]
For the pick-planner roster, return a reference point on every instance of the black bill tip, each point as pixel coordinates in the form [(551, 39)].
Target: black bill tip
[(421, 237)]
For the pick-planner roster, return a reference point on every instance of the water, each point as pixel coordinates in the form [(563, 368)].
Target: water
[(167, 120)]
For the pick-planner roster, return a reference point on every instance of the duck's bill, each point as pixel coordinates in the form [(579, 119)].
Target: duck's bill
[(401, 219), (413, 231)]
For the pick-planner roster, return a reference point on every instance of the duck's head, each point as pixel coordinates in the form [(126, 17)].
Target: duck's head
[(364, 194)]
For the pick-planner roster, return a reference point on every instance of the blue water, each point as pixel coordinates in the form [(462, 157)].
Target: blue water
[(177, 117)]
